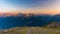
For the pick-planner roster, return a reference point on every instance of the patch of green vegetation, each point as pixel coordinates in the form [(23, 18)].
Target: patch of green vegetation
[(31, 30)]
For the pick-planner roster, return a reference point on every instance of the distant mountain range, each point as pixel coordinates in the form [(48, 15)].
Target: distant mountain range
[(21, 20)]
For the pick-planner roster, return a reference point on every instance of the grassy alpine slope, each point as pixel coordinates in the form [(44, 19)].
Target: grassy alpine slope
[(31, 30)]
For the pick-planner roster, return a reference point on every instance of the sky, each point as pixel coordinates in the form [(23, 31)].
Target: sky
[(29, 4)]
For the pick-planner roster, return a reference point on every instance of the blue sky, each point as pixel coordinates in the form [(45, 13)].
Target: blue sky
[(25, 4), (29, 3)]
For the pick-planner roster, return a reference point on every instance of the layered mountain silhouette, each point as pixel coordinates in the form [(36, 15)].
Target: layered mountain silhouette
[(21, 20)]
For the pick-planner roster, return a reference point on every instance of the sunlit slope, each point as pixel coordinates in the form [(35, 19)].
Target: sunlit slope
[(31, 30)]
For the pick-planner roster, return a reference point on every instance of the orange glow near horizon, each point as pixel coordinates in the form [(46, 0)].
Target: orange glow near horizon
[(15, 12)]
